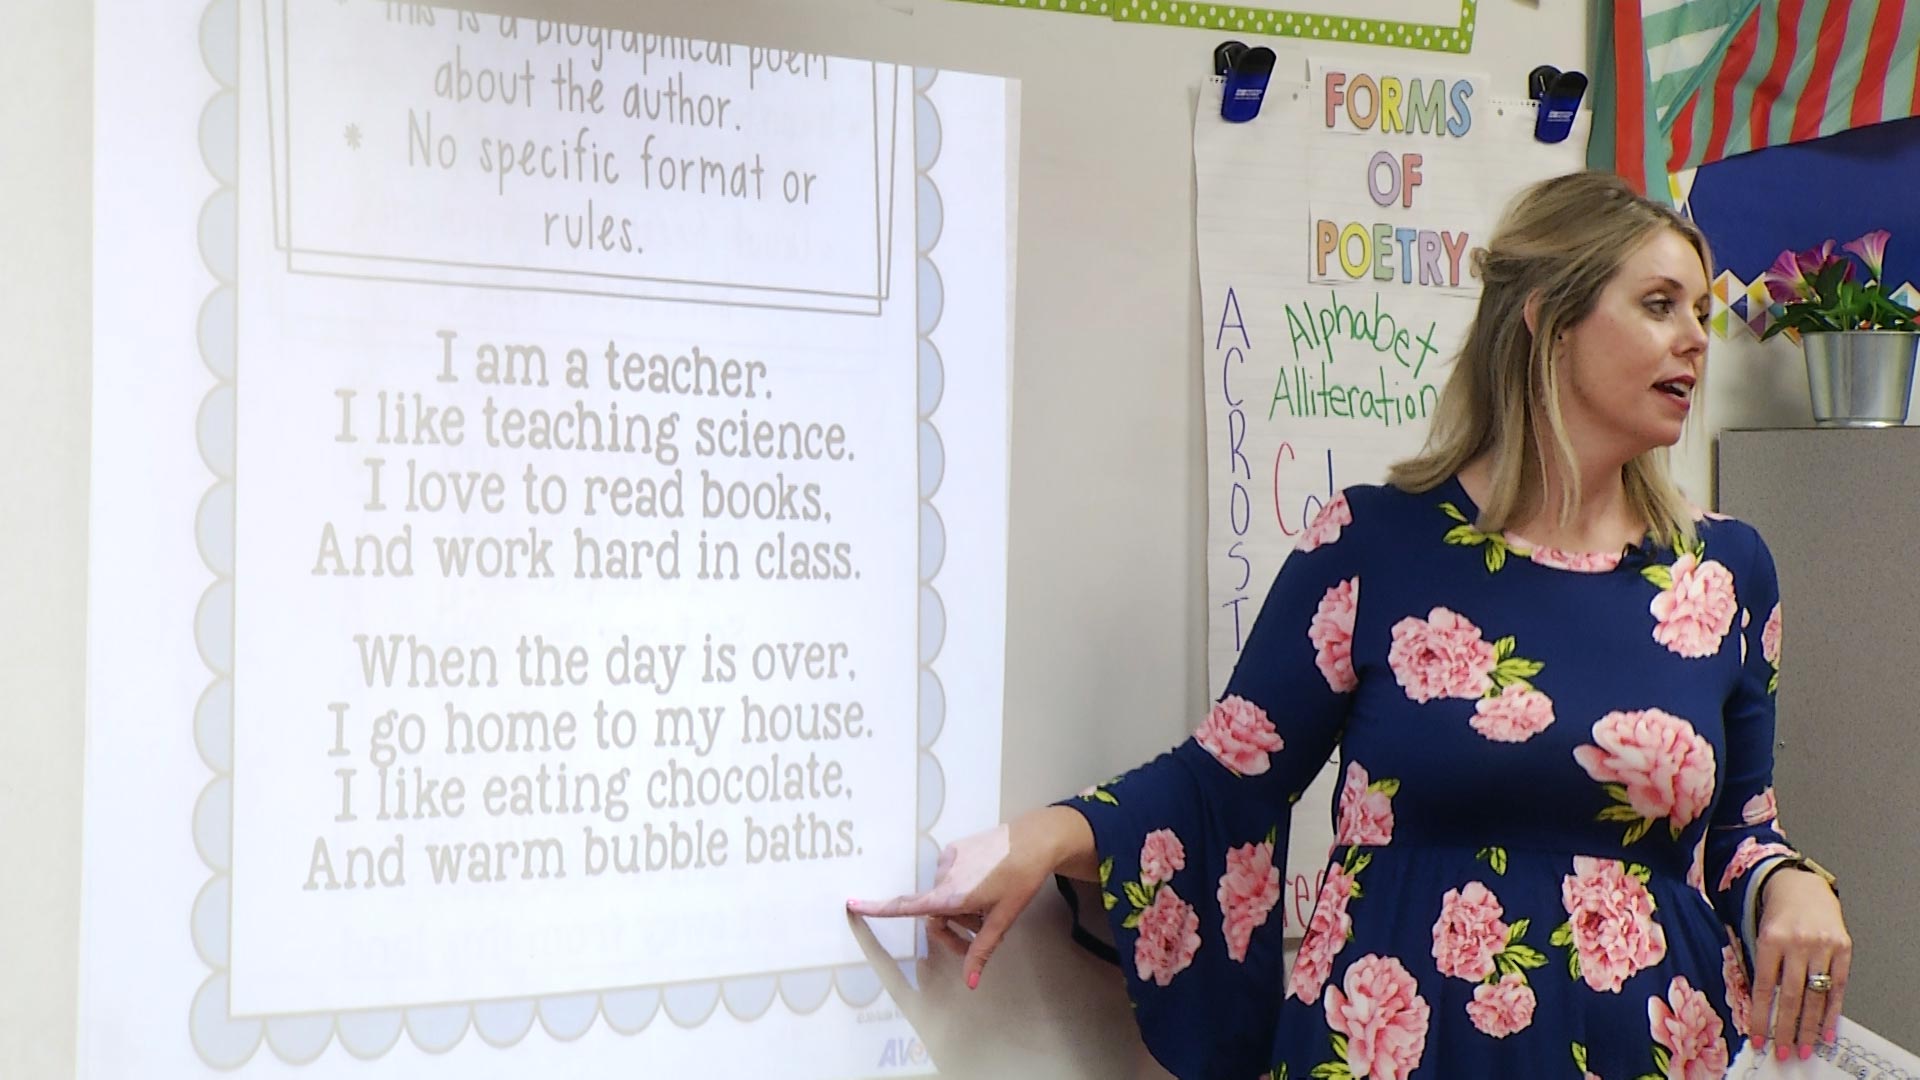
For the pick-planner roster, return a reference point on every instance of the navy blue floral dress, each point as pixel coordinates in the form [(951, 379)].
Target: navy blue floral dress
[(1556, 788)]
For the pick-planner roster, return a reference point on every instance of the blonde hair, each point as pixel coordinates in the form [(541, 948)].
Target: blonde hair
[(1558, 247)]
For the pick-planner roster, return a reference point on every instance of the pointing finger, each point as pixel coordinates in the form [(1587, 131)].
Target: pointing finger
[(986, 940), (928, 903)]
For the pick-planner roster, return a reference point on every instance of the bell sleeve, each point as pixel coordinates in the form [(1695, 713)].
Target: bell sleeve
[(1192, 845), (1745, 837)]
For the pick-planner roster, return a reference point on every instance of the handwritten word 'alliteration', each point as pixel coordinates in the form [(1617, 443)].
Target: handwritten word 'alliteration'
[(1303, 392)]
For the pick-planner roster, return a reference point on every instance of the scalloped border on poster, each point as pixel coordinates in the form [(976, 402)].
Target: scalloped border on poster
[(227, 1042)]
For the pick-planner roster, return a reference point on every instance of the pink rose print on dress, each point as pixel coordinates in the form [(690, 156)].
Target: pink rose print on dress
[(1332, 635), (1770, 648), (1655, 764), (1326, 524), (1610, 925), (1168, 926), (1748, 855), (1160, 856), (1326, 936), (1516, 715), (1762, 809), (1739, 993), (1469, 933), (1169, 937), (1697, 869), (1239, 735), (1695, 607), (1379, 1009), (1688, 1033), (1441, 656), (1502, 1008), (1770, 637), (1580, 562), (1366, 810), (1248, 891)]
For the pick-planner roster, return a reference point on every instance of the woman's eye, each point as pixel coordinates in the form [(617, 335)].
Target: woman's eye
[(1660, 305)]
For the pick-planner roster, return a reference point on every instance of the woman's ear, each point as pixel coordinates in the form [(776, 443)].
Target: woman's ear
[(1530, 312)]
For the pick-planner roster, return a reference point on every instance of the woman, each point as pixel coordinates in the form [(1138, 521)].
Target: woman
[(1551, 684)]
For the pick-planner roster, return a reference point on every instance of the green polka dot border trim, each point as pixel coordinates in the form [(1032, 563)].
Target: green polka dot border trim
[(1273, 22), (1342, 29)]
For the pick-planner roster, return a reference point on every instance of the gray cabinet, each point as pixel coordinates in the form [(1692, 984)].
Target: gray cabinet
[(1841, 511)]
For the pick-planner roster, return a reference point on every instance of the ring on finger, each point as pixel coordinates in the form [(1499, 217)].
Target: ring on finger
[(1819, 982)]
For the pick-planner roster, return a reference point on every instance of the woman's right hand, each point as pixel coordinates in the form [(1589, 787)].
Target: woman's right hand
[(984, 881)]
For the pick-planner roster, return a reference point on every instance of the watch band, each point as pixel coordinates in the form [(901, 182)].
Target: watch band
[(1801, 862)]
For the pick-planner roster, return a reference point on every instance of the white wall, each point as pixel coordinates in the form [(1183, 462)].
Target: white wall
[(45, 240), (1105, 650)]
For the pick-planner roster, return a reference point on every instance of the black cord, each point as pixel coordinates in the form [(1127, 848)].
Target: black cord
[(1081, 936)]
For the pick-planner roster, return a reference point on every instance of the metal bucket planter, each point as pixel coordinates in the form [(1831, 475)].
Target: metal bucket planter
[(1860, 378)]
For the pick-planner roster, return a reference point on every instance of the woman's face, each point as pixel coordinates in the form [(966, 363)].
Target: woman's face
[(1631, 365)]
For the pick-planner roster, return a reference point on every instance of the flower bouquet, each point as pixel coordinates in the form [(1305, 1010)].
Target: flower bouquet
[(1818, 293), (1860, 343)]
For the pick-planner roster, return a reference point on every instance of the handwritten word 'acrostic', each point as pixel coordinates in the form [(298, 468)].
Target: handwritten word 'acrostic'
[(1239, 503)]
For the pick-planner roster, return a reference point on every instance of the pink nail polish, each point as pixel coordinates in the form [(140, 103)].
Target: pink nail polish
[(973, 981), (1759, 1042), (1780, 1051), (1829, 1035), (1806, 1052)]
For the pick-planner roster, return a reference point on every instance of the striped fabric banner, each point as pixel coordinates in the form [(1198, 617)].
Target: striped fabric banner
[(1699, 80)]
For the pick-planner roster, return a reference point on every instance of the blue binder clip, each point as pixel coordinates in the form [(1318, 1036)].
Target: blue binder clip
[(1247, 75), (1558, 105)]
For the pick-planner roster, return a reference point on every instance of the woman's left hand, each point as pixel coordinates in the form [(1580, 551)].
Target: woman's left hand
[(1801, 936)]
